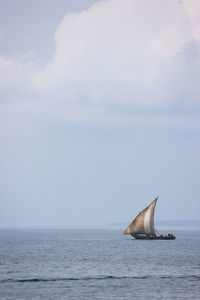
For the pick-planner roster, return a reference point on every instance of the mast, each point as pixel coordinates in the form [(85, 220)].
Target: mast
[(144, 222)]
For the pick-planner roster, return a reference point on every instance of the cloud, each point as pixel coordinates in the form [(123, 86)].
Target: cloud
[(117, 63)]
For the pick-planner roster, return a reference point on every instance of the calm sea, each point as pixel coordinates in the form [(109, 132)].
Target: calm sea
[(97, 264)]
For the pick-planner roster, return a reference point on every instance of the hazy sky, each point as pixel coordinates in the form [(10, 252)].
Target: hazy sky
[(99, 110)]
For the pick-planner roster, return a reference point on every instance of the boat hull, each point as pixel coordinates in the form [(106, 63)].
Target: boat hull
[(154, 237)]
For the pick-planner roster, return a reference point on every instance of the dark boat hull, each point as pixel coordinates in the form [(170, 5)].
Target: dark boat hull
[(153, 237)]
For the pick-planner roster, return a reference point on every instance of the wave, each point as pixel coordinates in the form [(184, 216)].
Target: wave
[(98, 278)]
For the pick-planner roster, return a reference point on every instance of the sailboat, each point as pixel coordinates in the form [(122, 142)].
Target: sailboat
[(142, 227)]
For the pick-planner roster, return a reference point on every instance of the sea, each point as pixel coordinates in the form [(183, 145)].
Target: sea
[(97, 264)]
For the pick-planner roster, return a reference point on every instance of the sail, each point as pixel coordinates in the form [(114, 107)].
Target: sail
[(144, 222)]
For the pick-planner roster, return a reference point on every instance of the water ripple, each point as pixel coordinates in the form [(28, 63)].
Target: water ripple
[(98, 278)]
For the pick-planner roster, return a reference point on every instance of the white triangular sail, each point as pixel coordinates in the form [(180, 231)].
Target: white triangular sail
[(144, 222)]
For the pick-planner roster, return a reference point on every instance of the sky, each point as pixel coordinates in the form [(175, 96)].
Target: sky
[(99, 111)]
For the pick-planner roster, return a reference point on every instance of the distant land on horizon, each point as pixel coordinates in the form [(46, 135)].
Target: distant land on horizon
[(164, 224)]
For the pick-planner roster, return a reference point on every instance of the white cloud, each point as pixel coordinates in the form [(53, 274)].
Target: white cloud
[(119, 54), (14, 73), (121, 51)]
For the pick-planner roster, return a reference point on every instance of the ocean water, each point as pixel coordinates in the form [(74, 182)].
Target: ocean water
[(97, 264)]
